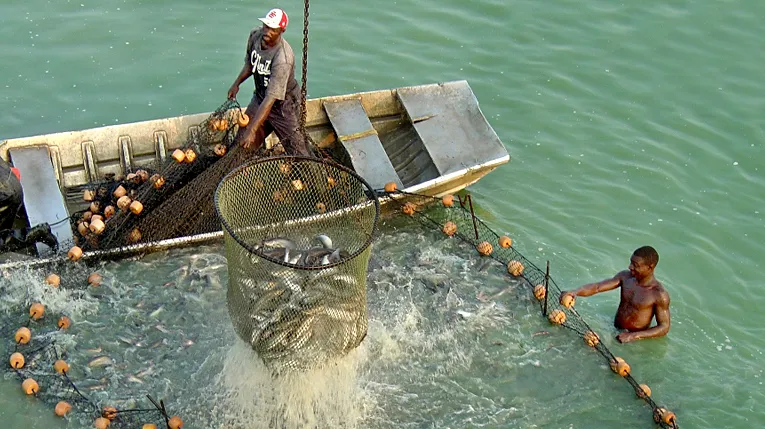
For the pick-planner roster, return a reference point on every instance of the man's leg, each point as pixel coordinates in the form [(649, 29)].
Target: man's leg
[(286, 123)]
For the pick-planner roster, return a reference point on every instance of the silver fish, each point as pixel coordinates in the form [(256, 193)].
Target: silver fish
[(100, 361), (325, 241), (134, 379), (277, 242)]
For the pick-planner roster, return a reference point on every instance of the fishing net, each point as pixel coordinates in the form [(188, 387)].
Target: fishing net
[(39, 361), (298, 234), (170, 200), (455, 217)]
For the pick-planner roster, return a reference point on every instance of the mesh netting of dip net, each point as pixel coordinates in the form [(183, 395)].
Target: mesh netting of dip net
[(454, 217), (297, 235)]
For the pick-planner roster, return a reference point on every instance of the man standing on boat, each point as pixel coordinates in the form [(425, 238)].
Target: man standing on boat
[(642, 297), (275, 104)]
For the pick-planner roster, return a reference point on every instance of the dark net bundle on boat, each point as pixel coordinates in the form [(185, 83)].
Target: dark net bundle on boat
[(171, 200), (40, 364), (166, 200), (454, 216), (297, 234)]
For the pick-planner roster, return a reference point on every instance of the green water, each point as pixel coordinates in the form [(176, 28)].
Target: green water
[(628, 124)]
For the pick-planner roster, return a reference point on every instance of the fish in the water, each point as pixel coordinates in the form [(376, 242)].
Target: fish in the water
[(100, 361)]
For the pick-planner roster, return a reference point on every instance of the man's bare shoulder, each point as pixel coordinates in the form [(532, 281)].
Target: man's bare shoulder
[(623, 275), (661, 294)]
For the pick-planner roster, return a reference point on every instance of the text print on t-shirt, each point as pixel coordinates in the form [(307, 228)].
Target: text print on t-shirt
[(262, 68)]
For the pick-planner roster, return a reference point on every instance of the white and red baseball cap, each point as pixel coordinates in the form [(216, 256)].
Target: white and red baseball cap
[(276, 18)]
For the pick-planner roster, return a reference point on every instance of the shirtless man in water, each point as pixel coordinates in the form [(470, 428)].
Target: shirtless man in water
[(642, 298)]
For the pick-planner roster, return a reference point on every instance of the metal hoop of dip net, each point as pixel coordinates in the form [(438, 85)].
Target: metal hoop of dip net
[(298, 234)]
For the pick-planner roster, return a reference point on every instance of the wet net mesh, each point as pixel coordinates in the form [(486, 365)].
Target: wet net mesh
[(454, 216), (170, 200), (298, 234), (39, 362)]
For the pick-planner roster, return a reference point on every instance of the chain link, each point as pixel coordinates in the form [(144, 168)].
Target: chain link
[(303, 89)]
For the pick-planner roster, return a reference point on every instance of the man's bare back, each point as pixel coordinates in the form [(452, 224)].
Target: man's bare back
[(642, 298)]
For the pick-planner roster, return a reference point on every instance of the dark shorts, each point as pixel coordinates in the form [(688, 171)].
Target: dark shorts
[(284, 120)]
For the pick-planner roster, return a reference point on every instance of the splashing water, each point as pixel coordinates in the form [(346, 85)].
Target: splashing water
[(435, 355)]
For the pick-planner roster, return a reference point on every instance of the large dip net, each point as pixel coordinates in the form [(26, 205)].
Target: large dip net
[(298, 234)]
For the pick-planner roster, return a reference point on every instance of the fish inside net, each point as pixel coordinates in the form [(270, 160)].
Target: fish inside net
[(298, 234)]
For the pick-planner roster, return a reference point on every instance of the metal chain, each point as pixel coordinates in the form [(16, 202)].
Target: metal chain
[(303, 89)]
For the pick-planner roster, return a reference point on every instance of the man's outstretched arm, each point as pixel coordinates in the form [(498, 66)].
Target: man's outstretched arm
[(597, 287), (662, 323)]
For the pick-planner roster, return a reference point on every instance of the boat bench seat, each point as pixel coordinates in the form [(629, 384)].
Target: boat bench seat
[(355, 131), (451, 126), (43, 200)]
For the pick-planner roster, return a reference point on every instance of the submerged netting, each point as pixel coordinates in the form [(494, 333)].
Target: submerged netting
[(298, 234), (455, 218), (39, 362)]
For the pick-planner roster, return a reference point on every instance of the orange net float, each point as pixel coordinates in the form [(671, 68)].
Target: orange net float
[(124, 202), (557, 317), (89, 195), (83, 228), (109, 413), (97, 226), (36, 311), (567, 300), (450, 228), (95, 207), (178, 155), (447, 200), (109, 211), (64, 322), (30, 386), (619, 366), (190, 155), (175, 422), (409, 208), (17, 361), (540, 291), (484, 248), (75, 253), (591, 338), (62, 409), (136, 207), (331, 182), (23, 335), (53, 279), (321, 207), (149, 426), (243, 120), (158, 181), (119, 192), (135, 235), (95, 279), (515, 268), (219, 149), (505, 242), (61, 366), (101, 423), (643, 392), (87, 216), (663, 415), (390, 187)]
